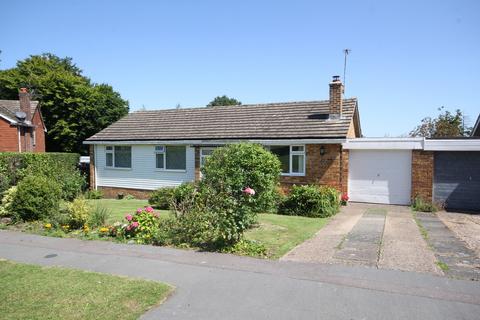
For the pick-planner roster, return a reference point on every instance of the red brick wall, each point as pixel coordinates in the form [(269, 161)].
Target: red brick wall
[(8, 137), (39, 132), (422, 174), (112, 193)]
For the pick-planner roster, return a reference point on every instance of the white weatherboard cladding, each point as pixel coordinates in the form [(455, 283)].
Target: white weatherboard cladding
[(143, 174), (380, 176)]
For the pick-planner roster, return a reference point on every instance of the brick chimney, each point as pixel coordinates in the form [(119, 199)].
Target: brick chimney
[(336, 94), (24, 98)]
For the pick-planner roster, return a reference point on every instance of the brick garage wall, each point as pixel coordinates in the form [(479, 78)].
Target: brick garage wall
[(39, 133), (8, 137), (329, 169), (422, 174), (112, 193)]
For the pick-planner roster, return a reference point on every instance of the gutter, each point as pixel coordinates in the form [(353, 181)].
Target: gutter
[(219, 141)]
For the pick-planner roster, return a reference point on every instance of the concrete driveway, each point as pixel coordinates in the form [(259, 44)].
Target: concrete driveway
[(219, 286), (390, 237)]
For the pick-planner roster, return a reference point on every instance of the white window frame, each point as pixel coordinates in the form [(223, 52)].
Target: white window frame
[(112, 152), (290, 159), (204, 156), (164, 153)]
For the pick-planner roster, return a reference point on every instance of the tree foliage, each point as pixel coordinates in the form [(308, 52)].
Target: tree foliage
[(73, 107), (224, 101), (446, 124)]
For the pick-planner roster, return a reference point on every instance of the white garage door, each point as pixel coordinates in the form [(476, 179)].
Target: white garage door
[(380, 176)]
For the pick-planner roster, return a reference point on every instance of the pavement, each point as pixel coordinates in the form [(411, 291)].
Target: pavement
[(220, 286)]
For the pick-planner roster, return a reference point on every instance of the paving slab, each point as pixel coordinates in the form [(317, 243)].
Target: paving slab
[(403, 247), (362, 244), (323, 245), (465, 226), (459, 260)]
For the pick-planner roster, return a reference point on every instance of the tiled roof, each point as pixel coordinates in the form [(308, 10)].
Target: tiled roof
[(9, 107), (260, 121)]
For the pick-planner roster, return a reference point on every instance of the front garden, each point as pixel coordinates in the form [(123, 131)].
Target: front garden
[(237, 207)]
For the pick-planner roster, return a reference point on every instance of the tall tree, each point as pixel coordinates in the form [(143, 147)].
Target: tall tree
[(73, 107), (223, 101), (446, 124)]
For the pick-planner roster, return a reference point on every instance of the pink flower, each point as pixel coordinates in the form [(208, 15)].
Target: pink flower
[(135, 224), (149, 209), (129, 227), (129, 217), (139, 210), (249, 191)]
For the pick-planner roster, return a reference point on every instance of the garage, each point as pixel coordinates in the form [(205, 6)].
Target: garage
[(380, 176), (456, 182)]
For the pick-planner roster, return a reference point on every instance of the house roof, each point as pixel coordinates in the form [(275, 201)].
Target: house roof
[(9, 107), (476, 128), (256, 121)]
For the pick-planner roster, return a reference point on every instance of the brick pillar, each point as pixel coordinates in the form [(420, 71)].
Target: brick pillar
[(92, 167), (422, 175), (344, 174), (197, 163)]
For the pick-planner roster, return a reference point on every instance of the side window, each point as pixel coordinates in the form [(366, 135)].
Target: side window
[(109, 156)]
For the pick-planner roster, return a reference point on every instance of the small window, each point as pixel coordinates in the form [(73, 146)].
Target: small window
[(204, 154), (292, 158), (33, 136), (171, 157), (118, 156)]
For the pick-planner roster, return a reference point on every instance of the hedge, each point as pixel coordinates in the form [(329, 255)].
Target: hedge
[(61, 167)]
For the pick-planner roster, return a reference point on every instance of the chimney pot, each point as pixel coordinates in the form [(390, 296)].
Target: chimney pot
[(336, 78)]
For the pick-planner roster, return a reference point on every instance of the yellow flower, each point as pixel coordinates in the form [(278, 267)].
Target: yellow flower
[(66, 227), (103, 229), (48, 225), (85, 228)]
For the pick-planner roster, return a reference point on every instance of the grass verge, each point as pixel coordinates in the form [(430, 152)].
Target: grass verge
[(35, 292)]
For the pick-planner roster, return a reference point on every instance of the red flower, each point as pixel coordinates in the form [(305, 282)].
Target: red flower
[(344, 197)]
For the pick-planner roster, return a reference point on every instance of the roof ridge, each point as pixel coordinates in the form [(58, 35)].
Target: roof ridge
[(246, 105)]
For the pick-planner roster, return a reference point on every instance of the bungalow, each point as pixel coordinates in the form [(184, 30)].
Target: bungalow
[(147, 150), (21, 125), (317, 142)]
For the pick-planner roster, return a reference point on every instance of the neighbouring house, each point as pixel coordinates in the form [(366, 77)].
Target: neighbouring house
[(22, 128), (147, 150), (317, 142), (476, 128)]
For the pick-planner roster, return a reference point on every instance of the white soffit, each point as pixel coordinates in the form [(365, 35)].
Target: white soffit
[(452, 145), (384, 144)]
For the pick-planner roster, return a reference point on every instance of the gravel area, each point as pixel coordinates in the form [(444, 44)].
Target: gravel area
[(465, 226)]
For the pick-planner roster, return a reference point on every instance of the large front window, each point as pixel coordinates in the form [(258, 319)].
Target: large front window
[(292, 158), (171, 157), (118, 156)]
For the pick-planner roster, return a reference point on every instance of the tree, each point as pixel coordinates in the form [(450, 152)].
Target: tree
[(73, 107), (224, 101), (446, 124)]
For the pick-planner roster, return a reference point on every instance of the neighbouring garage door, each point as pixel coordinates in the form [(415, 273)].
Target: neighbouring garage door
[(456, 181), (380, 176)]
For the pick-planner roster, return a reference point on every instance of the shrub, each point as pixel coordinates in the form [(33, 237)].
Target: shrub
[(129, 197), (161, 198), (141, 226), (6, 201), (78, 212), (94, 194), (246, 247), (98, 216), (419, 204), (311, 201), (234, 167), (185, 197), (37, 197), (59, 167)]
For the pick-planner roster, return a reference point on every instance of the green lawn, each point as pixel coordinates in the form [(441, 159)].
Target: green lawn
[(120, 208), (281, 233), (277, 232), (34, 292)]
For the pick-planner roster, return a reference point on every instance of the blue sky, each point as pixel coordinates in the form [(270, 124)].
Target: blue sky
[(408, 57)]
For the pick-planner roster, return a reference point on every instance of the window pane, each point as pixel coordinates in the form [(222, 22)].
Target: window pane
[(159, 161), (283, 154), (123, 157), (207, 152), (297, 148), (176, 157), (297, 163), (109, 159), (109, 148)]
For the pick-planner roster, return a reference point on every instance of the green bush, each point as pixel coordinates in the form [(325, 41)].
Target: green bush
[(311, 201), (94, 194), (98, 216), (161, 198), (234, 167), (6, 201), (246, 247), (78, 212), (59, 167), (186, 197), (37, 197), (419, 204)]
